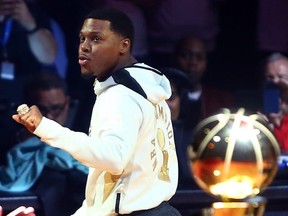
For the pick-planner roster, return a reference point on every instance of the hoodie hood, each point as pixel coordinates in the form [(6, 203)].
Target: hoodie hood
[(141, 78)]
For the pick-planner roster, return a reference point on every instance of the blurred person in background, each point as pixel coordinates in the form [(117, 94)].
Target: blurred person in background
[(200, 99), (275, 105), (27, 44), (34, 166)]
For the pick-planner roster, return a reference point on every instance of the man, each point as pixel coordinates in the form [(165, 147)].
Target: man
[(130, 149), (276, 74), (276, 71), (34, 166), (201, 99), (50, 93)]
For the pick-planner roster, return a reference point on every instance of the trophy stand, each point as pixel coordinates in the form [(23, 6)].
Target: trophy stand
[(245, 208)]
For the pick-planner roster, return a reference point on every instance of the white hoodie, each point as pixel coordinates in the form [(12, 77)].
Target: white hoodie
[(130, 153)]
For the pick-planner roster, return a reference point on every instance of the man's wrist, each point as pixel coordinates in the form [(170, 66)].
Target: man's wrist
[(32, 31)]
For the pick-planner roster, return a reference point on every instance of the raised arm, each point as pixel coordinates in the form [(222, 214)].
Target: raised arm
[(41, 40)]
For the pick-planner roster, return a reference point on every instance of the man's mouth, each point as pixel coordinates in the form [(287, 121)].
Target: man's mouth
[(83, 59)]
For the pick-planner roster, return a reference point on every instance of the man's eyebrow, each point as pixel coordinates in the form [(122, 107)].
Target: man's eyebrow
[(92, 32)]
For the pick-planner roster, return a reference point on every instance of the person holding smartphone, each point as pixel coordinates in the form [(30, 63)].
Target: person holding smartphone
[(26, 44), (276, 74)]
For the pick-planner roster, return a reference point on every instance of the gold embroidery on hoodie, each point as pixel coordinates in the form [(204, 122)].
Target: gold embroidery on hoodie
[(110, 182), (164, 172)]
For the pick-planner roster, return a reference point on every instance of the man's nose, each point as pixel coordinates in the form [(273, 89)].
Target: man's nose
[(275, 80), (85, 46)]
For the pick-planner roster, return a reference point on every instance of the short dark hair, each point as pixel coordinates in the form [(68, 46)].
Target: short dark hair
[(42, 82), (276, 56), (119, 21), (181, 43)]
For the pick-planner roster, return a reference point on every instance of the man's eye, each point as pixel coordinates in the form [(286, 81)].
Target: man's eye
[(269, 77), (81, 39), (96, 38)]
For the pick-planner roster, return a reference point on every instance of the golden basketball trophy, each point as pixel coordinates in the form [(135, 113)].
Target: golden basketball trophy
[(234, 156)]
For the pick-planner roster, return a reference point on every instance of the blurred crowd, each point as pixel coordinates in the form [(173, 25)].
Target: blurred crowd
[(216, 53)]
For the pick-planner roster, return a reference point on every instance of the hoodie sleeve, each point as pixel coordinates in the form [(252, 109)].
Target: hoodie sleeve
[(118, 124)]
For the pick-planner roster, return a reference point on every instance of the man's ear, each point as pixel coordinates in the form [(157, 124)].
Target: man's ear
[(125, 46)]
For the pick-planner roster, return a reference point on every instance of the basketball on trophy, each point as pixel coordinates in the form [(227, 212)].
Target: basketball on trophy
[(234, 155)]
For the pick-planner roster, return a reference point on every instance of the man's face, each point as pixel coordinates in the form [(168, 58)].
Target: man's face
[(99, 48), (53, 104), (191, 58), (277, 73)]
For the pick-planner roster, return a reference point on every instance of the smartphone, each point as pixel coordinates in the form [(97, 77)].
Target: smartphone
[(271, 99)]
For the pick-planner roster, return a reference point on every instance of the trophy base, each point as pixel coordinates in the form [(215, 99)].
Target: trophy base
[(251, 207)]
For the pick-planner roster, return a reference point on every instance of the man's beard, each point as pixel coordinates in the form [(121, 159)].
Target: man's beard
[(194, 78), (87, 75)]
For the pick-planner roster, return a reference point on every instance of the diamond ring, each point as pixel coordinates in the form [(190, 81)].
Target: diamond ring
[(23, 109)]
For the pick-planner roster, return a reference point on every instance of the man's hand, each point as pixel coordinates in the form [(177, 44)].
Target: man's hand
[(31, 119), (18, 10), (275, 118)]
